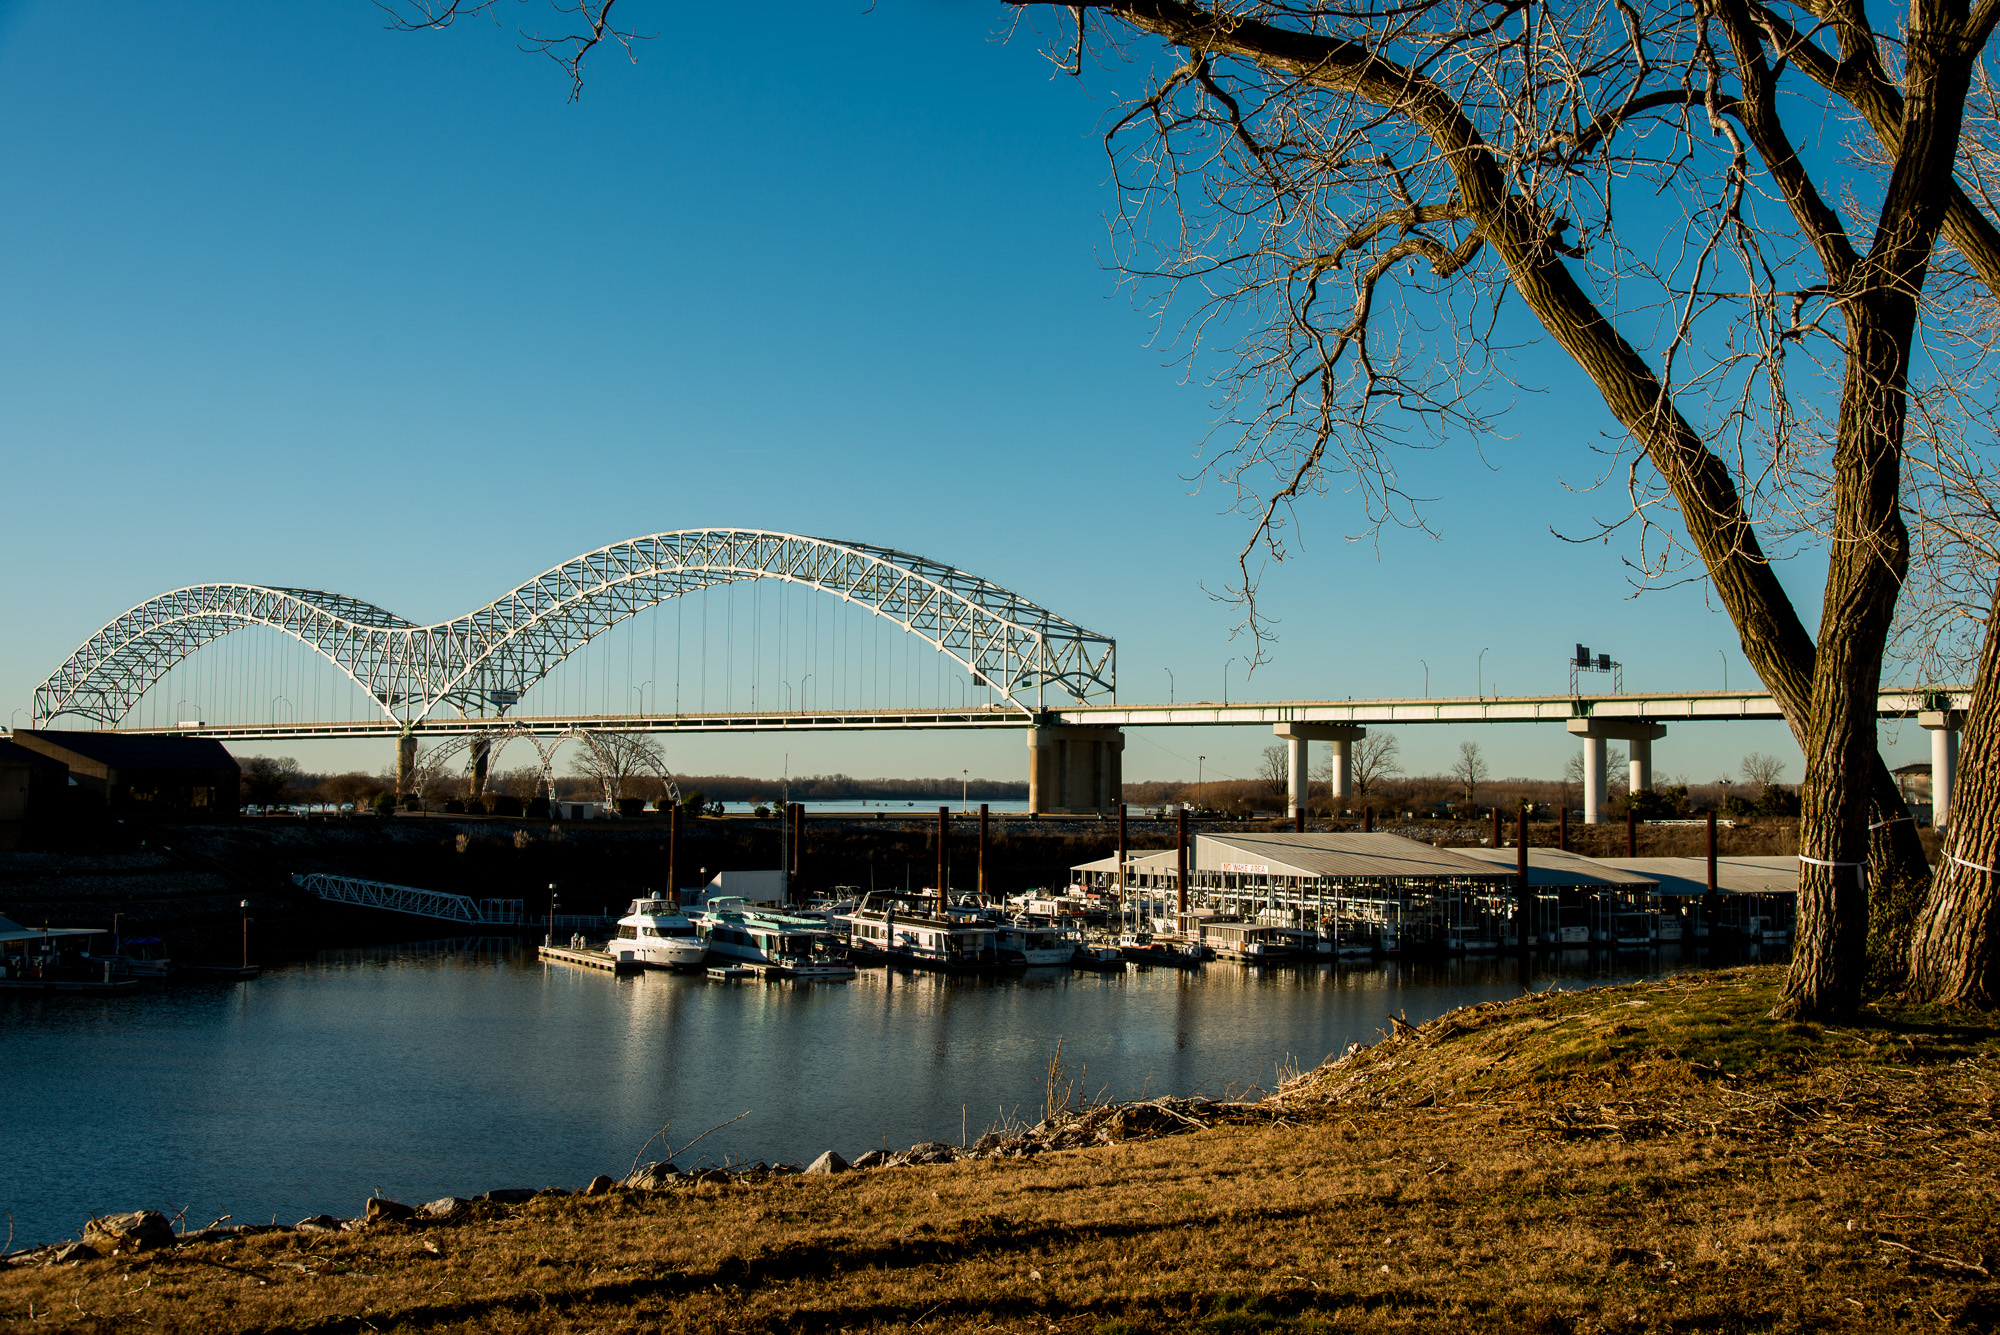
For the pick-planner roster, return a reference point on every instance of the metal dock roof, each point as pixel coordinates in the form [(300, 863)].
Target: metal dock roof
[(1777, 875), (1552, 866), (1334, 856)]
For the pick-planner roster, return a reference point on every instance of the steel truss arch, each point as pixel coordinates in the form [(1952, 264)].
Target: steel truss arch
[(485, 660)]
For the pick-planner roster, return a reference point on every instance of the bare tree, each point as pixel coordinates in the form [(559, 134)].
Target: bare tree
[(1617, 772), (1761, 770), (1356, 178), (1274, 768), (1470, 770), (616, 760), (1371, 762), (1375, 758), (590, 22)]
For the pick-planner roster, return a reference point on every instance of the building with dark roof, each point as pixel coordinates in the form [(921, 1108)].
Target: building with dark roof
[(158, 775), (31, 793)]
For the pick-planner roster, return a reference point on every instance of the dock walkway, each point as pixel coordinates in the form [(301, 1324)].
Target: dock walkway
[(590, 959)]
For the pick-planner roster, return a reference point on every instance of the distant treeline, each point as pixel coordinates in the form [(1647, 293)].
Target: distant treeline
[(282, 780), (844, 788)]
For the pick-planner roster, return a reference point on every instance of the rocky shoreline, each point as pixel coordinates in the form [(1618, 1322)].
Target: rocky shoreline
[(1068, 1129)]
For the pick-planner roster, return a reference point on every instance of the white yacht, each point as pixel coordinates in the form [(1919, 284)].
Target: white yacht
[(656, 933), (788, 944)]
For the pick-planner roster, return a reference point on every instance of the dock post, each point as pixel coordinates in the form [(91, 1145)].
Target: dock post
[(1711, 907), (674, 855), (1298, 820), (944, 841), (1367, 820), (798, 853), (1524, 899), (1631, 833), (1496, 825), (1121, 859), (1180, 842), (1562, 826), (982, 852)]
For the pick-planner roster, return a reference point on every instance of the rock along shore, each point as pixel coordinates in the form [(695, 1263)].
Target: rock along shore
[(1068, 1129)]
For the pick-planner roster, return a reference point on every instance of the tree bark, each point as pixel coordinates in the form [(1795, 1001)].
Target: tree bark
[(1870, 554), (1955, 948)]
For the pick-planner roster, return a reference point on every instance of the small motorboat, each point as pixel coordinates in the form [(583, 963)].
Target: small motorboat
[(1098, 959)]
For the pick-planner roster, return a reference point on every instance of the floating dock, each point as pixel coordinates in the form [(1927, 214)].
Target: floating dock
[(116, 987), (590, 959), (731, 972)]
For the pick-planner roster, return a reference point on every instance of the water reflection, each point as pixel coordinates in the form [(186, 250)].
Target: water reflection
[(452, 1067)]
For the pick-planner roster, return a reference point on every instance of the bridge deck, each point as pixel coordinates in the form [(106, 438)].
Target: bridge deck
[(1660, 707)]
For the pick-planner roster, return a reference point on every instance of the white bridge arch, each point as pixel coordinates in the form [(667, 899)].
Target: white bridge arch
[(485, 660)]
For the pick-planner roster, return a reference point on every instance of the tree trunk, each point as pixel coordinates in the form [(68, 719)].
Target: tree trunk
[(1953, 956), (1870, 552)]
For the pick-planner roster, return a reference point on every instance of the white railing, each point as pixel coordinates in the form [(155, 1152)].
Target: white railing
[(406, 899)]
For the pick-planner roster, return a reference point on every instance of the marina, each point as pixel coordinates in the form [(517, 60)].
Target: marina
[(1261, 899)]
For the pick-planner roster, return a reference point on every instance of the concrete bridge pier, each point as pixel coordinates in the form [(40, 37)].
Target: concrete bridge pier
[(406, 763), (1075, 771), (1298, 737), (1595, 733), (1943, 726), (482, 761)]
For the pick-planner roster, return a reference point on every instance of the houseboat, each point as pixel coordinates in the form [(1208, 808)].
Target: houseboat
[(1249, 942), (958, 940), (787, 945)]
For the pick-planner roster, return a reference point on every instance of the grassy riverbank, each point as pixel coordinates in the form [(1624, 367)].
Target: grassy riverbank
[(1654, 1157)]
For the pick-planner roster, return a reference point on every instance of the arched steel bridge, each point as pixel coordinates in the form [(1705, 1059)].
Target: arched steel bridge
[(480, 664)]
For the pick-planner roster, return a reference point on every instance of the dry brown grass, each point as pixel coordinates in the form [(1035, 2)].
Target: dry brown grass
[(1637, 1159)]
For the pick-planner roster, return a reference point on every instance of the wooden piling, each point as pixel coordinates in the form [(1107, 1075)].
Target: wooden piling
[(674, 855), (1367, 820), (1180, 842), (1496, 828), (982, 849), (1121, 857), (1562, 826), (944, 841), (1712, 904), (1524, 900), (798, 852), (1631, 833)]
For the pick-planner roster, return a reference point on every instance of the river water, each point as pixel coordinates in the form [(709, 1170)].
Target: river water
[(452, 1068)]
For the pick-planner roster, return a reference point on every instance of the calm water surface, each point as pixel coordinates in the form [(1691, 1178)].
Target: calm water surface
[(450, 1069)]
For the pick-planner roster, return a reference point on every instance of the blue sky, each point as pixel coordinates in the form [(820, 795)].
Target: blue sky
[(294, 299)]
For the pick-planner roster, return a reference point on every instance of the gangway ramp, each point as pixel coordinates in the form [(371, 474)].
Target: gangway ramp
[(436, 904)]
